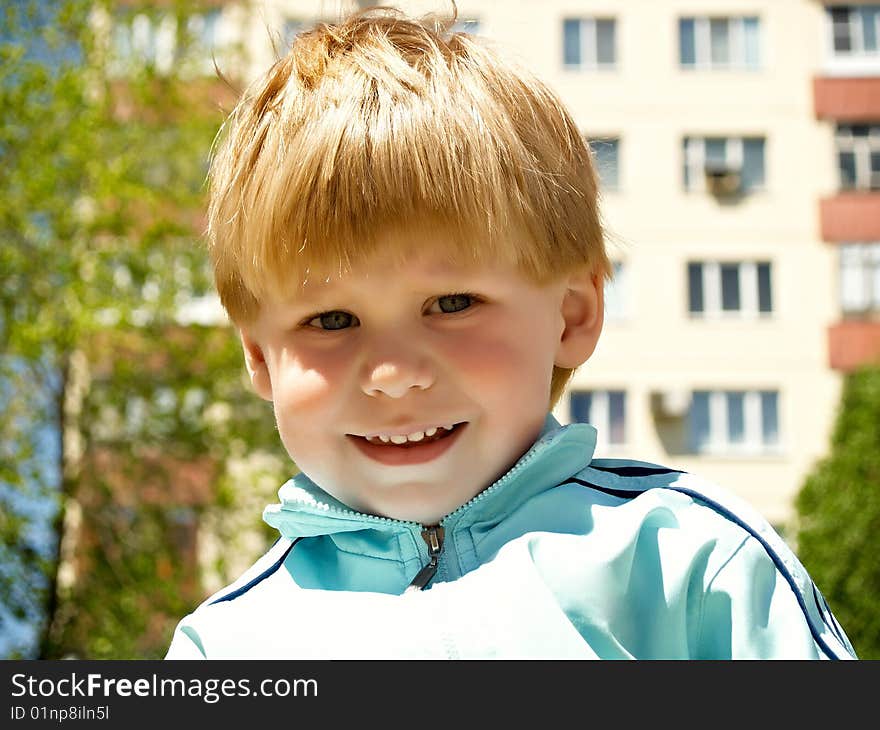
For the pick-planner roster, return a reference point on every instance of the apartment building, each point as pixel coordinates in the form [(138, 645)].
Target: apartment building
[(739, 144), (846, 89)]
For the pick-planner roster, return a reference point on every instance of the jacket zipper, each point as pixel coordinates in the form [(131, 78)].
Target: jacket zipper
[(433, 536)]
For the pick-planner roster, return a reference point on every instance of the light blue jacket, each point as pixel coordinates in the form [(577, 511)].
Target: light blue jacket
[(565, 556)]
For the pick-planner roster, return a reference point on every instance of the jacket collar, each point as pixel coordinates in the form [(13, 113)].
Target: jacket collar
[(306, 510)]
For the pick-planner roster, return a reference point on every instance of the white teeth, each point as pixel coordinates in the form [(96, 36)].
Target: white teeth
[(415, 436)]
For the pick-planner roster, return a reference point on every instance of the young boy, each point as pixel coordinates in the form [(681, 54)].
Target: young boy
[(404, 229)]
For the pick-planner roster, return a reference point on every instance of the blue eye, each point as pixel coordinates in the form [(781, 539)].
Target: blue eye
[(335, 320), (451, 303)]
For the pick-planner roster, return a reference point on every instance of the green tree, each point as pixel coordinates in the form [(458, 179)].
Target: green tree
[(838, 510), (107, 394)]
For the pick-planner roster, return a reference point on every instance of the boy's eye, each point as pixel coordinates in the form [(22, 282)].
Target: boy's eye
[(335, 320), (451, 303)]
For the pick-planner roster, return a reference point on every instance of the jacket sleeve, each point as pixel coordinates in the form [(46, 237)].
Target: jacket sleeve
[(758, 607), (185, 644)]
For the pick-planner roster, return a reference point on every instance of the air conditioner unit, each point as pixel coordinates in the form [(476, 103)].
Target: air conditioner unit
[(722, 179), (671, 402)]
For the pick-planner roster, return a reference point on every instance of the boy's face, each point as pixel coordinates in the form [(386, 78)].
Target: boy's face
[(383, 353)]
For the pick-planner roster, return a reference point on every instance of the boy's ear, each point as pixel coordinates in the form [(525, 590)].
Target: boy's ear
[(256, 365), (583, 312)]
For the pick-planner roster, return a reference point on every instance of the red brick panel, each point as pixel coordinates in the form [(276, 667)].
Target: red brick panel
[(851, 217), (853, 343), (847, 99)]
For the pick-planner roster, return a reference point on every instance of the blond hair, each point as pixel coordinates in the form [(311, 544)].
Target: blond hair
[(382, 121)]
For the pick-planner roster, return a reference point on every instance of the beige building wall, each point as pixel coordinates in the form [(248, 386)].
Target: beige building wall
[(655, 227)]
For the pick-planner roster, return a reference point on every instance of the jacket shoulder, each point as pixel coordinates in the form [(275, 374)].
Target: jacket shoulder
[(264, 567), (628, 479)]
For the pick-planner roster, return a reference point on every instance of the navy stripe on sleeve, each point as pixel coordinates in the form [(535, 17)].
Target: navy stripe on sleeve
[(259, 579), (635, 471)]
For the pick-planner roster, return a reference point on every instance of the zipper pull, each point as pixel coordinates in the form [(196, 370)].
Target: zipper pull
[(433, 536)]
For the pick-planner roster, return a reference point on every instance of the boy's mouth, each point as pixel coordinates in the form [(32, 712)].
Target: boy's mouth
[(434, 433), (413, 448)]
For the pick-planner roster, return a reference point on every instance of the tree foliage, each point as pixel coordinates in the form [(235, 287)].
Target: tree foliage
[(838, 511), (109, 398)]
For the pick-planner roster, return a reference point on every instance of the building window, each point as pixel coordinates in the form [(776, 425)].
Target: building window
[(291, 29), (606, 151), (604, 409), (732, 421), (860, 278), (616, 293), (719, 43), (709, 159), (204, 34), (142, 41), (858, 156), (202, 29), (466, 25), (854, 30), (588, 43), (742, 288)]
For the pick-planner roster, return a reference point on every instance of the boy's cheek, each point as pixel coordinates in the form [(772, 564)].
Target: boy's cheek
[(496, 363), (301, 390)]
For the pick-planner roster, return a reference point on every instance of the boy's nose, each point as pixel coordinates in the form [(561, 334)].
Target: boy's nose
[(396, 378)]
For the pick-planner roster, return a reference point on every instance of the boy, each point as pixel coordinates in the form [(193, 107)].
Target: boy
[(404, 229)]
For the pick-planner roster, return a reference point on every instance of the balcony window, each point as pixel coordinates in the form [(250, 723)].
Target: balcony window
[(854, 30), (860, 278), (858, 156)]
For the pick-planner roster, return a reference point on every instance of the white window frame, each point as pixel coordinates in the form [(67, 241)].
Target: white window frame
[(600, 415), (736, 43), (856, 29), (862, 148), (749, 295), (589, 53), (860, 278), (695, 160), (857, 61), (719, 441)]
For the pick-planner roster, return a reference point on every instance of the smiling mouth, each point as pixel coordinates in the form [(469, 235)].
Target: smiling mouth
[(409, 453), (409, 441)]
